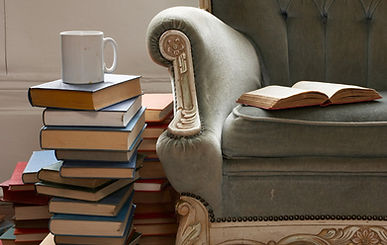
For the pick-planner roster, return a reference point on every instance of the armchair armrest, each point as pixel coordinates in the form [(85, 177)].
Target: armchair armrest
[(211, 65)]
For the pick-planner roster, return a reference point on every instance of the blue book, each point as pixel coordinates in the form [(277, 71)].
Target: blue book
[(8, 235), (99, 169), (87, 225), (108, 206), (100, 239), (117, 115), (37, 161), (93, 138), (57, 94)]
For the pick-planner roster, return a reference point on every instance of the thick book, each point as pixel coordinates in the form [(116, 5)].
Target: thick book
[(37, 161), (24, 235), (93, 138), (128, 236), (68, 224), (154, 130), (16, 182), (81, 193), (148, 145), (108, 206), (152, 169), (158, 106), (22, 197), (157, 229), (150, 184), (117, 115), (307, 93), (167, 195), (99, 155), (31, 212), (51, 173), (98, 169), (57, 94), (34, 224)]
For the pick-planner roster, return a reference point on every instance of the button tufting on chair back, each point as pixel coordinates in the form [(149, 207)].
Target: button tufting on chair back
[(341, 41)]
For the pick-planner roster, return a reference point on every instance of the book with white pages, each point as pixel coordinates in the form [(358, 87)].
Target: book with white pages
[(117, 115)]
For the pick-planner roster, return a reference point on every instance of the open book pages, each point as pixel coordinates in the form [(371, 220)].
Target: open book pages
[(307, 93)]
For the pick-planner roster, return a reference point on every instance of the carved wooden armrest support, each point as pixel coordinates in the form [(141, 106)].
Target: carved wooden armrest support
[(175, 46)]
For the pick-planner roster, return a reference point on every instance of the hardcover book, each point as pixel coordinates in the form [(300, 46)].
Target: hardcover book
[(108, 206), (15, 182), (22, 197), (51, 173), (99, 155), (93, 138), (24, 235), (152, 168), (306, 93), (81, 193), (128, 237), (117, 115), (98, 169), (158, 106), (150, 184), (37, 161), (31, 212), (67, 224), (57, 94)]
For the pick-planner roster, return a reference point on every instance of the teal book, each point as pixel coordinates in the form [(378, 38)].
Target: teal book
[(108, 206), (8, 235), (57, 94), (93, 138), (129, 233), (37, 161), (86, 225)]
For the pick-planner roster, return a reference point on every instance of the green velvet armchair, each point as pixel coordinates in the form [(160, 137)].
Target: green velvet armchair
[(246, 164)]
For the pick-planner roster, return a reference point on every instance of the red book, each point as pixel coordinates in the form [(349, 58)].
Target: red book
[(158, 106), (22, 197), (25, 234), (16, 182), (150, 184)]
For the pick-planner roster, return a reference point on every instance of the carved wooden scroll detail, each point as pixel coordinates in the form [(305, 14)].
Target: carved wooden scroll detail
[(206, 5), (175, 46), (193, 226), (350, 235)]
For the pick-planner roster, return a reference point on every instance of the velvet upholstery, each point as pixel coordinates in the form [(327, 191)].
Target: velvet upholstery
[(314, 161)]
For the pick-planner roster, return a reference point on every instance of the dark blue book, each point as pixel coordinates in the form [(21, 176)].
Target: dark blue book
[(86, 225), (101, 169), (108, 206), (37, 161), (57, 94), (93, 138), (100, 239), (118, 115)]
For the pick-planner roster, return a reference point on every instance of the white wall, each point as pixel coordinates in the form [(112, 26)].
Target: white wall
[(30, 54)]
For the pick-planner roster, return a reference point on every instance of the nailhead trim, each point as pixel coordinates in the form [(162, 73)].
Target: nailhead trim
[(212, 218)]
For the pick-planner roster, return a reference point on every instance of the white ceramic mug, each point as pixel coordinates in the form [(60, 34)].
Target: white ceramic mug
[(82, 56)]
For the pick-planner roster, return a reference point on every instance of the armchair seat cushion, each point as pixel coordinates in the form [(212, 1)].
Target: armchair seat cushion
[(353, 130)]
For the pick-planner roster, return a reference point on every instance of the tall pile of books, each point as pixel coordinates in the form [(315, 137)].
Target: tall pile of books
[(94, 131), (155, 198), (31, 215)]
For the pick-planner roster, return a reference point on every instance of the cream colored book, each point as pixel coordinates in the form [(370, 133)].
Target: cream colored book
[(307, 93)]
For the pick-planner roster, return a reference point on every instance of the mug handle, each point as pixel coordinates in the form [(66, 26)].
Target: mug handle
[(114, 45)]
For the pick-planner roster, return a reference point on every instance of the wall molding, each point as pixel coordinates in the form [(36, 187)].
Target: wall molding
[(14, 89)]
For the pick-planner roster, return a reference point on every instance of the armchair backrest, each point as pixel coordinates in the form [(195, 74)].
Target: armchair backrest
[(342, 41)]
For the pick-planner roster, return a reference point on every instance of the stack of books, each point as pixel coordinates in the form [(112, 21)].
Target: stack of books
[(154, 197), (31, 215), (94, 130)]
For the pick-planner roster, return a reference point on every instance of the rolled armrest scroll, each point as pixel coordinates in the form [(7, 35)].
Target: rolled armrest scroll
[(175, 46)]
